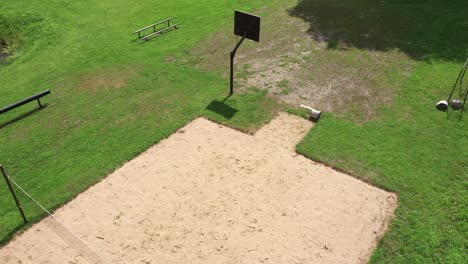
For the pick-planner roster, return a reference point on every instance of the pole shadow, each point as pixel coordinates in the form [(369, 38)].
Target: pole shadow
[(220, 108), (24, 115)]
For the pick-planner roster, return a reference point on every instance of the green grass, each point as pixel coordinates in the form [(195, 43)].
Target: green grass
[(416, 152), (113, 97), (346, 80), (409, 148), (284, 86), (421, 29)]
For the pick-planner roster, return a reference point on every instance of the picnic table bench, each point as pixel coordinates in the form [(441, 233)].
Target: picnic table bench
[(156, 32)]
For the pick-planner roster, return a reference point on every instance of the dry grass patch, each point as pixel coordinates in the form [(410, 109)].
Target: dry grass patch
[(335, 78), (4, 52), (109, 78)]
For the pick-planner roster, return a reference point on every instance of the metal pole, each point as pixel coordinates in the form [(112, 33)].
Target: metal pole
[(463, 104), (460, 75), (233, 53), (231, 91), (13, 193)]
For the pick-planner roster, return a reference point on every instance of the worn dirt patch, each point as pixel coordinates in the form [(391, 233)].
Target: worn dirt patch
[(4, 53), (299, 68), (211, 194), (109, 78)]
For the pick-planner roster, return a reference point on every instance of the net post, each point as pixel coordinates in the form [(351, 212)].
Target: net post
[(7, 179)]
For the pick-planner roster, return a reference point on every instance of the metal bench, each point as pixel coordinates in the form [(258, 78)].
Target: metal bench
[(25, 101), (155, 31)]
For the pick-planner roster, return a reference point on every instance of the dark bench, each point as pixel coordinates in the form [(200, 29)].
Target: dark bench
[(25, 101), (156, 32)]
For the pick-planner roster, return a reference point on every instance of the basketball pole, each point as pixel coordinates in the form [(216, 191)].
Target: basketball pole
[(7, 179), (233, 53)]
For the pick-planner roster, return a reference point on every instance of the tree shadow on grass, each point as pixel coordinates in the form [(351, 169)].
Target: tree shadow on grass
[(423, 29)]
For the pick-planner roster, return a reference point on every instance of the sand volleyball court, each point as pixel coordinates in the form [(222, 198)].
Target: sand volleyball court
[(211, 194)]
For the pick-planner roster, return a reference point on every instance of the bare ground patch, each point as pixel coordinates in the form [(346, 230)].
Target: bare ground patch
[(109, 78), (299, 68), (4, 52)]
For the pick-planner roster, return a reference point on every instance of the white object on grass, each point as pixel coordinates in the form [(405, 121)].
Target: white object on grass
[(314, 113), (442, 105)]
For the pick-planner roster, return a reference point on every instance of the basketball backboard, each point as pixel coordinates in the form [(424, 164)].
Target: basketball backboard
[(247, 24)]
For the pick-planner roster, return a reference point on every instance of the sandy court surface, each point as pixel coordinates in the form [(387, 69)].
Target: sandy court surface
[(211, 194)]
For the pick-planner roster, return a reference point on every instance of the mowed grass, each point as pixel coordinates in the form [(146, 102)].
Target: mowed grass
[(409, 148), (416, 152), (113, 97)]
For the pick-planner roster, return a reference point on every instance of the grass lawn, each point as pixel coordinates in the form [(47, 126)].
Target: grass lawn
[(416, 152), (112, 97), (410, 148)]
